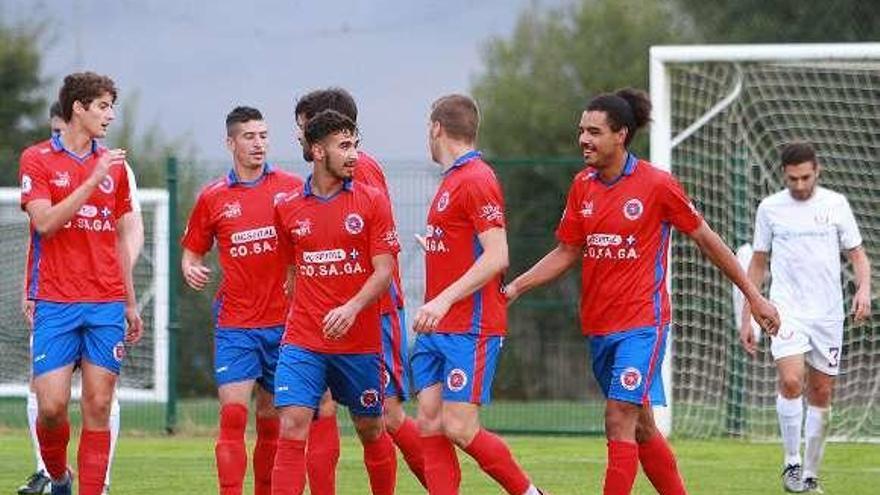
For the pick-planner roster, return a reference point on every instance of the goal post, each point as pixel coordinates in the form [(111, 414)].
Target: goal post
[(144, 375), (721, 114)]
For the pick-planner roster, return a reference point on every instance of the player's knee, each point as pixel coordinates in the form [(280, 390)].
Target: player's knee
[(368, 429), (621, 420), (327, 408), (393, 414), (294, 426), (460, 429), (790, 387), (96, 404), (819, 395), (52, 413)]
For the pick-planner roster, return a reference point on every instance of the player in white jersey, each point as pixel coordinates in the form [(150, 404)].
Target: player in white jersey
[(803, 230), (39, 482)]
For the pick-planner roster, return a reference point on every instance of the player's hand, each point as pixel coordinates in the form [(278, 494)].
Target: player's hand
[(27, 309), (423, 242), (765, 314), (510, 292), (747, 337), (107, 160), (861, 307), (197, 276), (135, 325), (339, 321), (430, 314)]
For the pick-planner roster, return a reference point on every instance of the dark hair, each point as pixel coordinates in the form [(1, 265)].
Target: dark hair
[(458, 115), (84, 87), (55, 110), (327, 123), (797, 153), (627, 107), (240, 115), (319, 100)]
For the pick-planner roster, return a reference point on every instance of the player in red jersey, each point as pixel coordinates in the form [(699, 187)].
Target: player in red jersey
[(237, 212), (464, 318), (323, 449), (77, 196), (340, 237), (617, 221)]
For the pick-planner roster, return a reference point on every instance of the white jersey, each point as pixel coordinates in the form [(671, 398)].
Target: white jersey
[(804, 239)]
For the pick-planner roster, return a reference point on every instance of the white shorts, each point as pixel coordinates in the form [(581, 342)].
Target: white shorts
[(820, 340)]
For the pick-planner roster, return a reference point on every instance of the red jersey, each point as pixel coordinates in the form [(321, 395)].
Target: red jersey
[(331, 241), (623, 228), (240, 216), (368, 171), (468, 202), (79, 262)]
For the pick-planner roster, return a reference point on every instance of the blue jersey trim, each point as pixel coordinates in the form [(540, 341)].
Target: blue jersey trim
[(347, 185), (36, 250), (58, 146), (477, 315), (660, 272), (232, 178), (463, 160), (628, 168)]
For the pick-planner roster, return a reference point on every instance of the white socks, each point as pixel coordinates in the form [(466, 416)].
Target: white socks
[(32, 426), (791, 415), (815, 430), (114, 434), (532, 491)]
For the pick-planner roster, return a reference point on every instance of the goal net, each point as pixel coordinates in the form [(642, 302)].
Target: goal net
[(144, 374), (722, 115)]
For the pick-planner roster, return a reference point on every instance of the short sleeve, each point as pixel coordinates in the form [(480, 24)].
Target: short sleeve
[(847, 228), (383, 233), (484, 205), (763, 237), (677, 206), (285, 241), (33, 179), (123, 193), (132, 189), (570, 229), (199, 234)]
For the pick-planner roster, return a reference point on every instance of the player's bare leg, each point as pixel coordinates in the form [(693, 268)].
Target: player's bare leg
[(289, 471), (268, 426), (656, 457), (790, 409), (442, 471), (230, 451), (379, 456), (53, 429), (98, 388), (405, 434), (819, 390), (322, 452), (621, 419)]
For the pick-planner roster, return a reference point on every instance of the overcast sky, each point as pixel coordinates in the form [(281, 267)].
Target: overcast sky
[(191, 62)]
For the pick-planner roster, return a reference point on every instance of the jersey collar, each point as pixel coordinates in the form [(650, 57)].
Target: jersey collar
[(233, 180), (629, 167), (58, 147), (464, 160), (347, 185)]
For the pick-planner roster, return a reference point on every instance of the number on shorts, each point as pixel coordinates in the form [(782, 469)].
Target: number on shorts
[(833, 356)]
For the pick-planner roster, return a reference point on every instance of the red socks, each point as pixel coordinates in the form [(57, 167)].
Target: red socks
[(230, 449), (407, 440), (380, 460), (94, 453), (442, 471), (53, 447), (264, 454), (323, 455), (289, 473), (623, 465), (660, 467), (495, 458)]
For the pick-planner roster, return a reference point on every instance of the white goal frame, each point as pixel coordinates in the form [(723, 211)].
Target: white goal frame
[(662, 140), (158, 199)]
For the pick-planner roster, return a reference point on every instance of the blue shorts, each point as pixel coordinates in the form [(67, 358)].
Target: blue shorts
[(354, 380), (395, 354), (627, 364), (64, 333), (242, 354), (464, 363)]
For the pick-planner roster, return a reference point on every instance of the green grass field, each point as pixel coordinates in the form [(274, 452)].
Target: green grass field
[(562, 465)]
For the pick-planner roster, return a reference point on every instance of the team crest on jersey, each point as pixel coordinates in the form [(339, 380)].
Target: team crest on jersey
[(26, 184), (62, 179), (633, 209), (354, 224), (106, 185), (370, 398), (491, 212), (443, 202), (231, 210), (303, 228), (631, 378), (587, 209), (119, 352), (456, 380)]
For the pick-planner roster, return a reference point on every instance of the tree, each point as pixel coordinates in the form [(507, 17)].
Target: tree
[(785, 21), (23, 115)]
